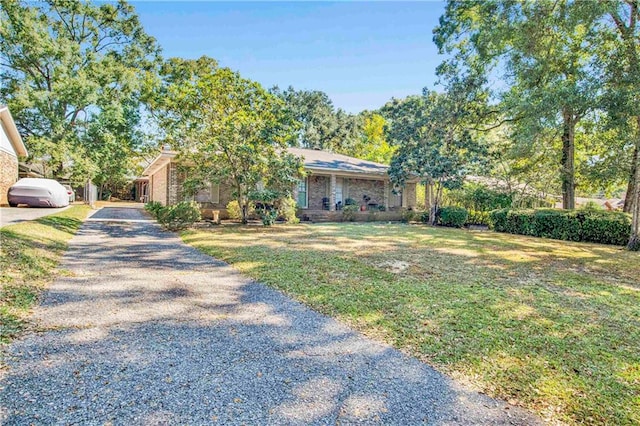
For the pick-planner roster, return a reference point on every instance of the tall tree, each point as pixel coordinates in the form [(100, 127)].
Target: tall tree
[(434, 141), (62, 64), (321, 125), (619, 49), (226, 129), (537, 50), (372, 144)]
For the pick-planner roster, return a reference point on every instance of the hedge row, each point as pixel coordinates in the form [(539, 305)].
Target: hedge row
[(573, 225)]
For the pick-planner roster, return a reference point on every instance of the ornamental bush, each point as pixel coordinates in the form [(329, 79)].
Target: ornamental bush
[(349, 212), (153, 207), (452, 216), (179, 216), (573, 225), (287, 210)]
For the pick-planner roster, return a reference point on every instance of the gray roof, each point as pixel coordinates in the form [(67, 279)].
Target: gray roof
[(323, 160)]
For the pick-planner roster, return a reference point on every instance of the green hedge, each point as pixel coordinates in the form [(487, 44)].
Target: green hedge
[(477, 218), (452, 216), (573, 225)]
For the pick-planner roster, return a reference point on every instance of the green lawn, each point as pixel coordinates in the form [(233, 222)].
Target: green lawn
[(550, 325), (29, 255)]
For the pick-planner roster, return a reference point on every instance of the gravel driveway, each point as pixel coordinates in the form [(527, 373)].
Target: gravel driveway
[(146, 330)]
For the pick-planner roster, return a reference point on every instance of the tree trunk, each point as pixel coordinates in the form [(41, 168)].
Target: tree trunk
[(634, 239), (436, 202), (567, 173), (628, 199), (428, 195)]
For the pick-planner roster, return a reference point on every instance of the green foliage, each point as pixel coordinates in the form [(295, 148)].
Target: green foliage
[(234, 211), (424, 217), (71, 74), (226, 129), (408, 216), (473, 196), (153, 207), (452, 216), (373, 145), (573, 225), (350, 202), (349, 212), (478, 218), (179, 216), (268, 215), (287, 210), (320, 125)]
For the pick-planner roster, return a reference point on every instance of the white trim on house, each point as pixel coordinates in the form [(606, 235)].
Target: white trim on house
[(10, 129)]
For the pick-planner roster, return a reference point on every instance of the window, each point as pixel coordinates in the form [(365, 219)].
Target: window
[(302, 194), (215, 193), (209, 195)]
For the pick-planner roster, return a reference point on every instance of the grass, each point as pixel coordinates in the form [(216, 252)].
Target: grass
[(553, 326), (29, 254)]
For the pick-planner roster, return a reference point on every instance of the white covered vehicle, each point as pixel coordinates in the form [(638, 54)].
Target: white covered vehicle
[(36, 192)]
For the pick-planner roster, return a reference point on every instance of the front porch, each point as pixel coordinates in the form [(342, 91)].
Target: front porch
[(330, 192), (393, 215)]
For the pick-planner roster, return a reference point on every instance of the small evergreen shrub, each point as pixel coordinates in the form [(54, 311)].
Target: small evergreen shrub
[(596, 226), (452, 216), (179, 216), (268, 216), (234, 211), (153, 207), (287, 210), (349, 212), (424, 216)]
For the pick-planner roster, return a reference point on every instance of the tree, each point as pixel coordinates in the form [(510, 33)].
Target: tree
[(537, 50), (321, 126), (372, 144), (226, 129), (64, 63), (619, 49), (434, 141)]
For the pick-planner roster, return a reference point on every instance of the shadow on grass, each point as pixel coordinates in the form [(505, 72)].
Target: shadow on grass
[(184, 339), (526, 318)]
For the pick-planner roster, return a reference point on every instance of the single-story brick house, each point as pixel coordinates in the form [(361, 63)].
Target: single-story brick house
[(331, 180), (11, 147)]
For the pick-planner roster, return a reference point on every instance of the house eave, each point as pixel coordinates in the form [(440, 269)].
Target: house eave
[(159, 162), (12, 132)]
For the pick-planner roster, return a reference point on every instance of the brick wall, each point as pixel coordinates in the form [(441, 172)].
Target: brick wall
[(159, 186), (318, 188), (8, 174), (357, 188)]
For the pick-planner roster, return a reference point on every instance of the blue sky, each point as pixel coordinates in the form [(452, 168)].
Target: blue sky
[(360, 53)]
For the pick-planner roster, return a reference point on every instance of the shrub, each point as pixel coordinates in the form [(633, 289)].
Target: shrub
[(479, 197), (267, 215), (350, 202), (573, 225), (234, 211), (408, 216), (153, 207), (349, 212), (424, 216), (179, 216), (606, 227), (287, 210), (477, 218), (452, 216)]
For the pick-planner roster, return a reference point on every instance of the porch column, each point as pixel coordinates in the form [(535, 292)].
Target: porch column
[(404, 199), (332, 193), (386, 194)]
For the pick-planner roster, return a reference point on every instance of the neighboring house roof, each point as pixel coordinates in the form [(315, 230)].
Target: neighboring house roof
[(327, 161), (12, 131)]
